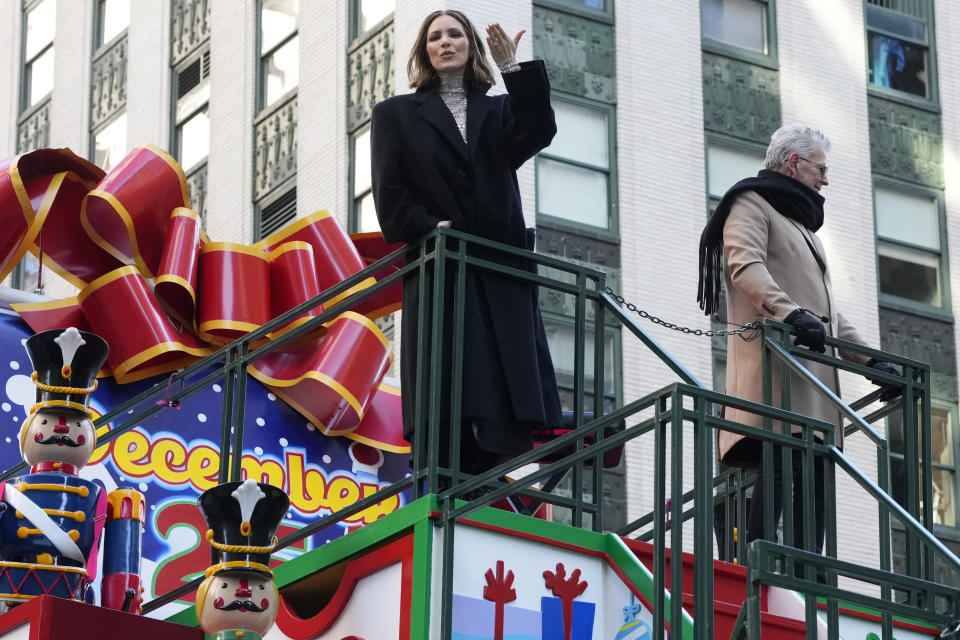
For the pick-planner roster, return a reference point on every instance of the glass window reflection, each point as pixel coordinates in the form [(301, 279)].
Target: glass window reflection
[(278, 19), (371, 12), (114, 17), (41, 24), (40, 77), (110, 144), (281, 71), (739, 23), (194, 139)]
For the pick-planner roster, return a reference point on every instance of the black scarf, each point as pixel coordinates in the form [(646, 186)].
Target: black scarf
[(789, 197)]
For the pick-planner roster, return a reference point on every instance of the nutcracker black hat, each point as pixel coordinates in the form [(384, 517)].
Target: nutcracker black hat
[(65, 366), (243, 518)]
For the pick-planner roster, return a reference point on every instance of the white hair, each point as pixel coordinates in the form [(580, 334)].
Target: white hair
[(793, 138)]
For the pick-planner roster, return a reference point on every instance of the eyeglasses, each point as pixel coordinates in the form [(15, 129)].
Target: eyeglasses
[(821, 167)]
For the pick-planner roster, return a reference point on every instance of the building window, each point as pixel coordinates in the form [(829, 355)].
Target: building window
[(367, 14), (26, 275), (191, 134), (576, 173), (275, 213), (729, 163), (110, 143), (363, 214), (944, 441), (910, 246), (899, 46), (279, 50), (38, 30), (742, 28), (602, 9), (560, 338), (113, 17)]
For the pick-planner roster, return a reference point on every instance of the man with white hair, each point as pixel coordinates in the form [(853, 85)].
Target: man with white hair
[(775, 267)]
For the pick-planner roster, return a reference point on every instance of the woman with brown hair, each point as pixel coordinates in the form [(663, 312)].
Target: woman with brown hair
[(447, 155)]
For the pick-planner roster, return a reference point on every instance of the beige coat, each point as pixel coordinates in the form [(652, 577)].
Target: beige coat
[(773, 266)]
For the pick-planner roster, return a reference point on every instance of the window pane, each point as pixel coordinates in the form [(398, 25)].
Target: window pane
[(114, 18), (277, 20), (897, 65), (193, 139), (944, 509), (588, 4), (367, 214), (910, 274), (41, 22), (40, 78), (941, 436), (28, 273), (741, 23), (896, 24), (573, 193), (373, 11), (111, 143), (726, 166), (581, 134), (361, 163), (282, 70), (908, 218), (560, 340)]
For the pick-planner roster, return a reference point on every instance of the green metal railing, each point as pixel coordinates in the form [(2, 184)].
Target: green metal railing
[(662, 424)]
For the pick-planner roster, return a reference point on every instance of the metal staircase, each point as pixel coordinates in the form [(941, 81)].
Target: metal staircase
[(674, 427)]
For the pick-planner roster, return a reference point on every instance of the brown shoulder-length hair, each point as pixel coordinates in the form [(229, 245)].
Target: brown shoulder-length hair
[(422, 73)]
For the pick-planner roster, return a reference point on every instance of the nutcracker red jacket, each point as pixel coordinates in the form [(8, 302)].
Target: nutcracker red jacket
[(424, 173)]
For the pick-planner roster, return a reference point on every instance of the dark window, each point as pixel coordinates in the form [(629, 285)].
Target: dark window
[(277, 213), (898, 46)]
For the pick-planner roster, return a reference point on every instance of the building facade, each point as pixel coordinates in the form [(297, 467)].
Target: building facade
[(661, 105)]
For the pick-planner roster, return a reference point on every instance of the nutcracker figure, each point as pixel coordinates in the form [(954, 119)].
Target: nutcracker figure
[(51, 518), (238, 599)]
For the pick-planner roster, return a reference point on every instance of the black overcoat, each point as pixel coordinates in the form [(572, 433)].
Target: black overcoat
[(423, 173)]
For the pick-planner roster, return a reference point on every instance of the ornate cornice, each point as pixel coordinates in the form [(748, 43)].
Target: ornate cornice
[(108, 87), (920, 338), (370, 71), (189, 27), (740, 99), (275, 144), (33, 130), (579, 53), (905, 142)]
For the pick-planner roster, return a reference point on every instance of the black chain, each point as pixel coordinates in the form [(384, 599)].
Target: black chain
[(750, 326)]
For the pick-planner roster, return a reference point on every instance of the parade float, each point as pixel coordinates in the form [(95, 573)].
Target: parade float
[(251, 436)]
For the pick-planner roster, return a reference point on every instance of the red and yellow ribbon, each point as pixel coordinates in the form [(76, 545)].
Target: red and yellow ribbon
[(163, 295)]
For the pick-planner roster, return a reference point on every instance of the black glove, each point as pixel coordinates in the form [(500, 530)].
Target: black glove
[(889, 391), (810, 331)]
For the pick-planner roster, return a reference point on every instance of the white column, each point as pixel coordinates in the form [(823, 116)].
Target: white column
[(148, 74), (948, 23), (233, 60), (70, 102), (10, 75), (662, 201), (823, 83), (323, 161)]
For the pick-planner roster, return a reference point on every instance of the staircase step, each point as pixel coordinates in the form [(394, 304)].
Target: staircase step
[(774, 627), (729, 580)]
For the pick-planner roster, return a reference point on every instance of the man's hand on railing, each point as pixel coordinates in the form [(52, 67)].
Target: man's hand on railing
[(446, 224), (889, 391), (810, 331)]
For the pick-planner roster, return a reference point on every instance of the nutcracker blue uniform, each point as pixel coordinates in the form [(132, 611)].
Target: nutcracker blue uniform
[(238, 600), (120, 587), (52, 518)]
